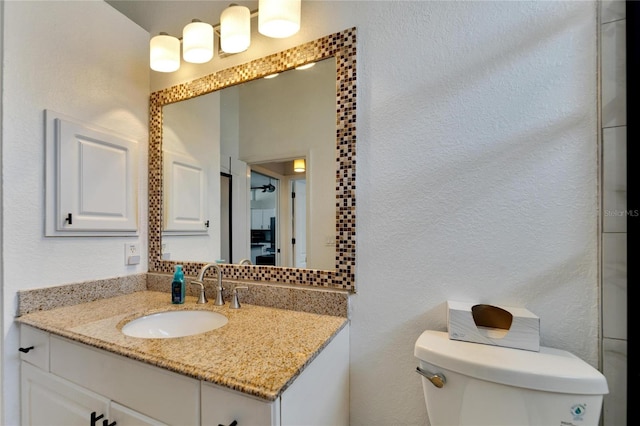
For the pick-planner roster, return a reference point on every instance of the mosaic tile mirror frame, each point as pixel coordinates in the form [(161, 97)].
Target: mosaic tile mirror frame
[(342, 47)]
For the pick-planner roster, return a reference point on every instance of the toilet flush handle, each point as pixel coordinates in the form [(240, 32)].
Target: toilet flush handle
[(437, 379)]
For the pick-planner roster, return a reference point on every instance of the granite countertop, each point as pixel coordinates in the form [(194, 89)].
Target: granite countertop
[(260, 351)]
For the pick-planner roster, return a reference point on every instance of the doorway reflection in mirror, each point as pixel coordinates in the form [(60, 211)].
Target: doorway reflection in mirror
[(264, 202)]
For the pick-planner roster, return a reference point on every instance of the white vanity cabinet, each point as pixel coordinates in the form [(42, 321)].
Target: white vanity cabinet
[(69, 383), (50, 400), (319, 396)]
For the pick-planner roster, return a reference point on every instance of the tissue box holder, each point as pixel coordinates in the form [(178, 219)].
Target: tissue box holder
[(492, 325)]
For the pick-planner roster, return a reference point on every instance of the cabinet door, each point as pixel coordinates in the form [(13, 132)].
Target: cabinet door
[(167, 396), (39, 340), (256, 218), (185, 194), (91, 180), (221, 407), (267, 214), (48, 400), (320, 395), (124, 416)]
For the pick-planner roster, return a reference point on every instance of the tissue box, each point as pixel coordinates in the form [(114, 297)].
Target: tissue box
[(492, 325)]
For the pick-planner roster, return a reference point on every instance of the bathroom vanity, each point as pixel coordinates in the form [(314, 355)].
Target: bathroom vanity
[(266, 366)]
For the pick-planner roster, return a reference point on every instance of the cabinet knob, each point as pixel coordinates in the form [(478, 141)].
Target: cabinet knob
[(25, 350)]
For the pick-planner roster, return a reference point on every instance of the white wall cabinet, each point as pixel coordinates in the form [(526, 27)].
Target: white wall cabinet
[(261, 218), (91, 180), (80, 383), (185, 186)]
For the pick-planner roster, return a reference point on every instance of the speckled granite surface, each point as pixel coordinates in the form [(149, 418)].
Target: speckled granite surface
[(42, 299), (260, 351), (314, 300)]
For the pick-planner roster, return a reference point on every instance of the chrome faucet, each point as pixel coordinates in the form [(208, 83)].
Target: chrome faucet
[(235, 303), (200, 282), (203, 297), (245, 262)]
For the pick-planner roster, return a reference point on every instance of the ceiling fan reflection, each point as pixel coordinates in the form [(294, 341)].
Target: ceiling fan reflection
[(265, 188)]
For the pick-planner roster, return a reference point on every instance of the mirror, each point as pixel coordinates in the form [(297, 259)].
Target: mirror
[(259, 129), (339, 48)]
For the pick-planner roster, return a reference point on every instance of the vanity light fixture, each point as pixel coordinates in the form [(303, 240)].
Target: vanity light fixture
[(235, 29), (279, 18), (197, 42), (274, 75), (164, 53), (299, 165), (305, 66), (276, 18)]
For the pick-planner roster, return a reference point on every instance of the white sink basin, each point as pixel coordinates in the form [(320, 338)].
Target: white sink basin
[(168, 324)]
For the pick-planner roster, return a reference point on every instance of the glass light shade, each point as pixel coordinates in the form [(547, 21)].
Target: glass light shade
[(235, 29), (164, 53), (299, 165), (197, 42), (306, 66), (278, 18)]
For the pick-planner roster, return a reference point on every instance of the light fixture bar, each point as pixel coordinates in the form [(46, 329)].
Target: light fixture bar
[(276, 18)]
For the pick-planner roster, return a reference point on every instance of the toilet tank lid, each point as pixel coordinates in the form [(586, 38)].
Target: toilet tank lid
[(550, 370)]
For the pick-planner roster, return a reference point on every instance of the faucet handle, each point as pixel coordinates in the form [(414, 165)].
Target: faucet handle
[(235, 303), (203, 298)]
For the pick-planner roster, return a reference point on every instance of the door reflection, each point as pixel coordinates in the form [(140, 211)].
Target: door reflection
[(264, 219)]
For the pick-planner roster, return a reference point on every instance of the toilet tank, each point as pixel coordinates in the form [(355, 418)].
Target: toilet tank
[(491, 385)]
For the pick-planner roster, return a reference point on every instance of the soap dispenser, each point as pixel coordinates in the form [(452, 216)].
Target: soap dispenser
[(178, 286)]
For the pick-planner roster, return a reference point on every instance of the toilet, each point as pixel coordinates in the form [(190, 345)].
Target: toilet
[(474, 384)]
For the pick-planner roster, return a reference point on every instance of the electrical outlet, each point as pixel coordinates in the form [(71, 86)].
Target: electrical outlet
[(131, 253)]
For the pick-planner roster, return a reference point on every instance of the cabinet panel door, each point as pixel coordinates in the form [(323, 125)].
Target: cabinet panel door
[(92, 182), (39, 355), (222, 406), (320, 395), (96, 179), (185, 194), (124, 416), (50, 401), (142, 387), (256, 219)]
